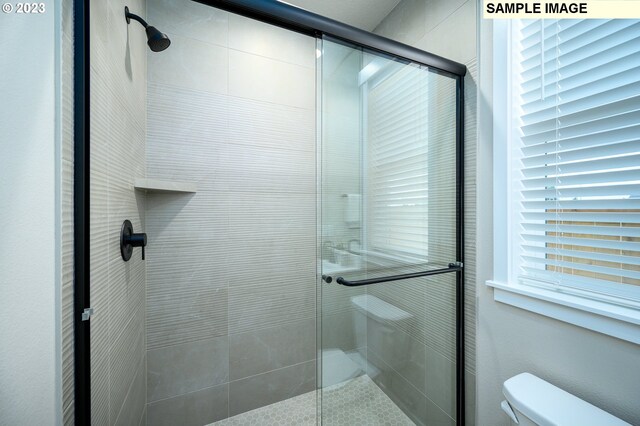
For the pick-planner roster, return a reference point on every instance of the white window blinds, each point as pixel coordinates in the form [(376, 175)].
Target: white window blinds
[(576, 164), (397, 158)]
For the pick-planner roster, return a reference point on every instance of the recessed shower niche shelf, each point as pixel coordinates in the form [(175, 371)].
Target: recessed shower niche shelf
[(168, 186)]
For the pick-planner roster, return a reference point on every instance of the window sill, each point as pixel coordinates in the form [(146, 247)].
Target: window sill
[(616, 321)]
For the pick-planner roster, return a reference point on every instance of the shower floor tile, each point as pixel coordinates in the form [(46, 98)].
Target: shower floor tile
[(358, 401)]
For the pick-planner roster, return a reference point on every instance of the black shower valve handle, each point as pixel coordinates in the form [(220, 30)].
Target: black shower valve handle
[(129, 240), (138, 240)]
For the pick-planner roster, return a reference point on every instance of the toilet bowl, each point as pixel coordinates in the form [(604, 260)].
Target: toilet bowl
[(376, 327), (530, 401)]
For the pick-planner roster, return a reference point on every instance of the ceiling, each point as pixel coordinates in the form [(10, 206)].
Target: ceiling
[(364, 14)]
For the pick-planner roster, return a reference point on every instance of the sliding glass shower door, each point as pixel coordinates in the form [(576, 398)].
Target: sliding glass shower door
[(388, 239)]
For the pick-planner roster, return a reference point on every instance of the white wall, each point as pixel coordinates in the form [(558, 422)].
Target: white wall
[(29, 330), (597, 368)]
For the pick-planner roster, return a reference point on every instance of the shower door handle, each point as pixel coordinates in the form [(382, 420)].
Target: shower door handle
[(453, 267)]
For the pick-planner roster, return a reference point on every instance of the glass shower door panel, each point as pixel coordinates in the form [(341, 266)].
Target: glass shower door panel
[(388, 207)]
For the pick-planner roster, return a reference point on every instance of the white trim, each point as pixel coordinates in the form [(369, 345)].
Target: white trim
[(617, 321), (501, 119)]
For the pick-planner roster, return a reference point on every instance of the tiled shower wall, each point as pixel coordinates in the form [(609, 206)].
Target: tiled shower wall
[(448, 28), (118, 121), (66, 209), (231, 268)]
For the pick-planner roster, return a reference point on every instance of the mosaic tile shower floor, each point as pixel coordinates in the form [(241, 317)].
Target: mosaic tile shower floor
[(356, 402)]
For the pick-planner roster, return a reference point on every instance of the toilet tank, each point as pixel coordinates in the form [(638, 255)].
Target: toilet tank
[(530, 401), (376, 324)]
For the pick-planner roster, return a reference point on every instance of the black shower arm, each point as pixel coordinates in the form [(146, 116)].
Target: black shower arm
[(135, 17)]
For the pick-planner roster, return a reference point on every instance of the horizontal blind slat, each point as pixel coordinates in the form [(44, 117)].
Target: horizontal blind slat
[(584, 217), (616, 231), (583, 242), (560, 180)]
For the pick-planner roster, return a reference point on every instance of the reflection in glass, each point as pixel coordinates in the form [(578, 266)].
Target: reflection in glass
[(388, 203)]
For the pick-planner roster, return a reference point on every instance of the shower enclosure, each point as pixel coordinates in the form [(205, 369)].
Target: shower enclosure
[(268, 220)]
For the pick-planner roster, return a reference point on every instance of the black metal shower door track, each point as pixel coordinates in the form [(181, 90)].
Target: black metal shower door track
[(303, 21), (289, 17)]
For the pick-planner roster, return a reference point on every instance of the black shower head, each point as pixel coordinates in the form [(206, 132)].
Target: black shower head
[(156, 40)]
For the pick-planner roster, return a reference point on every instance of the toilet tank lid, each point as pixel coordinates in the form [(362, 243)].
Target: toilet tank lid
[(547, 405), (379, 309)]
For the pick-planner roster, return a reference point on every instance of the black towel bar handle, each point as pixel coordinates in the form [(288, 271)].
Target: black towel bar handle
[(453, 267)]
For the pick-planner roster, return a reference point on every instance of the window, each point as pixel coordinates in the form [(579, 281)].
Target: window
[(576, 157), (566, 171)]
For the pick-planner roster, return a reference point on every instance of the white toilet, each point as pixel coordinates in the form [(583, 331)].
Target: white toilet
[(375, 323), (530, 401), (373, 319)]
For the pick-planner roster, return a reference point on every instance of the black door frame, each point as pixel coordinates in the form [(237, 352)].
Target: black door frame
[(81, 210)]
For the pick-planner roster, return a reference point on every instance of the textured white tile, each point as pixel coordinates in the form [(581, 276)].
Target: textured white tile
[(275, 234), (67, 272), (188, 18), (470, 131), (186, 260), (126, 291), (182, 315), (247, 168), (118, 120), (186, 132), (257, 307), (251, 223), (125, 356), (127, 52), (268, 125), (190, 64), (272, 259), (261, 351), (101, 108), (135, 401), (440, 381), (263, 79), (273, 42), (98, 21), (99, 383)]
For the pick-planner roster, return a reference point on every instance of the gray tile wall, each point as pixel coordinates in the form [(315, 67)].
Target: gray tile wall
[(66, 206), (231, 268), (118, 121), (446, 28)]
